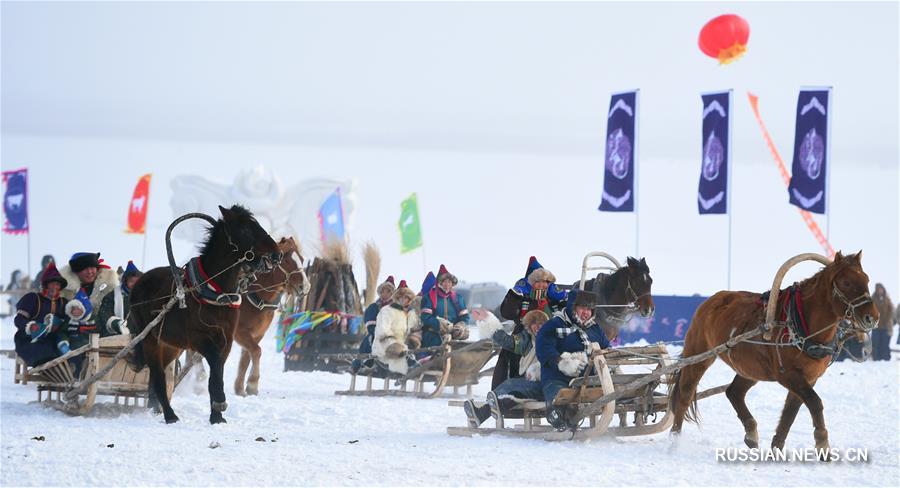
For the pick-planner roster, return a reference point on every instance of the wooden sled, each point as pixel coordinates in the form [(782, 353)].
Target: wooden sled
[(642, 411), (458, 364), (120, 382)]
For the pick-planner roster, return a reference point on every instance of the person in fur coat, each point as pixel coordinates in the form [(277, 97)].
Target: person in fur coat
[(564, 346), (87, 272), (536, 291), (392, 330)]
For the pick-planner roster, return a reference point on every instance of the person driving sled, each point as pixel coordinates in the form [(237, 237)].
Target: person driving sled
[(564, 346)]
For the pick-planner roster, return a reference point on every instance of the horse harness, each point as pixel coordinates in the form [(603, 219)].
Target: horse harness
[(205, 290), (603, 310), (796, 330)]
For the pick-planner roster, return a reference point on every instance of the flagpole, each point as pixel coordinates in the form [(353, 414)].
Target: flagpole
[(144, 251), (28, 244), (728, 188), (637, 180)]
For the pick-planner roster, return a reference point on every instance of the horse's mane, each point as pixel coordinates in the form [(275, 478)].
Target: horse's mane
[(612, 282), (215, 232)]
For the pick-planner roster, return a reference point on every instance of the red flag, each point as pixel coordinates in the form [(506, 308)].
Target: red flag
[(137, 211)]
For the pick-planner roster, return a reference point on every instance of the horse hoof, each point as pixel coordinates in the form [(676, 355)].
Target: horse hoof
[(172, 419), (240, 393), (252, 391), (216, 418), (752, 441)]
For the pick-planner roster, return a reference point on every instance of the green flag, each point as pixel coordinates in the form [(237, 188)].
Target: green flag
[(410, 231)]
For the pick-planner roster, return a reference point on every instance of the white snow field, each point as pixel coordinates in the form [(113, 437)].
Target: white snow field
[(313, 437)]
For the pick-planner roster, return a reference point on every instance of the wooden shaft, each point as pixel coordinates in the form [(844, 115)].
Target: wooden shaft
[(597, 405), (83, 386)]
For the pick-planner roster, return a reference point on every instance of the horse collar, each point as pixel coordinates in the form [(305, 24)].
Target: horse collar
[(205, 289)]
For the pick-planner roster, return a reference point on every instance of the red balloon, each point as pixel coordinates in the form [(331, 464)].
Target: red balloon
[(725, 38)]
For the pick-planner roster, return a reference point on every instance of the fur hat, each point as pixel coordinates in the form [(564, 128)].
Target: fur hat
[(582, 298), (389, 282), (52, 274), (81, 299), (403, 291), (131, 270), (534, 317), (535, 272), (428, 283), (443, 274), (83, 260)]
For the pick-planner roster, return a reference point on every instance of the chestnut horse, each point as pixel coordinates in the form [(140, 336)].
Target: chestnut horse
[(814, 308), (261, 301), (236, 248)]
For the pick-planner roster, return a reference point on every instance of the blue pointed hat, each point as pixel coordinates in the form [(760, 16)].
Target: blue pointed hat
[(131, 270), (428, 284), (533, 264)]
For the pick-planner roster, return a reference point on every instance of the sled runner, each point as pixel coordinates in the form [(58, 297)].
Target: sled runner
[(456, 364)]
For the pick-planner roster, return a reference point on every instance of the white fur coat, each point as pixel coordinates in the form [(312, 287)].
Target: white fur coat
[(393, 326), (106, 282)]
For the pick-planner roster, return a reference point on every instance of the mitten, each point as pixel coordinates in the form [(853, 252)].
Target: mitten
[(571, 363)]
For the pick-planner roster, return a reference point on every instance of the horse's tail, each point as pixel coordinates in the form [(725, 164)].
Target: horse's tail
[(691, 414), (372, 258)]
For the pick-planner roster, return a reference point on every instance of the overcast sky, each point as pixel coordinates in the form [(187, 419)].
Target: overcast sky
[(475, 106)]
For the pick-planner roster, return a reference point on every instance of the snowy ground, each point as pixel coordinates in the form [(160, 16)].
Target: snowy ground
[(312, 437)]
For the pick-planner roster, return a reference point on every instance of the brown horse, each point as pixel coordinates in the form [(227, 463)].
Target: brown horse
[(236, 248), (819, 306), (258, 309)]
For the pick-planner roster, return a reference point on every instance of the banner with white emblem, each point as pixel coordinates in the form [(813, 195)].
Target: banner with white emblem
[(712, 194), (619, 163), (808, 171)]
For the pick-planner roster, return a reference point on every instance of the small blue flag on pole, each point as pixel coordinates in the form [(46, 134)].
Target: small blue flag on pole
[(15, 201), (712, 195), (331, 218)]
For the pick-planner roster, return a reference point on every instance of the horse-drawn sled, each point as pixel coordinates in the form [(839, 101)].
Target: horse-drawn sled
[(797, 341), (455, 364), (120, 382), (175, 309)]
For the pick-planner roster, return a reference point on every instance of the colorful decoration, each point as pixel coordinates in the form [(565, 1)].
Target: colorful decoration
[(293, 326), (137, 210), (725, 38)]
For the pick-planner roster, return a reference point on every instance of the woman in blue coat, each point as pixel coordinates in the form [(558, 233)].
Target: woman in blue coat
[(443, 302)]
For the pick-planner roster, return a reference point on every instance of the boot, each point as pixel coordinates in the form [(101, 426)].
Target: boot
[(476, 415)]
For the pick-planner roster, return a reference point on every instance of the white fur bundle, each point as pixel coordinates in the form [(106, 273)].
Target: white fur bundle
[(488, 325), (571, 363), (534, 372)]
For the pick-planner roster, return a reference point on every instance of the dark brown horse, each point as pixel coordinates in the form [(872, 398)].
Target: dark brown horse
[(236, 248), (818, 306), (258, 309), (621, 294)]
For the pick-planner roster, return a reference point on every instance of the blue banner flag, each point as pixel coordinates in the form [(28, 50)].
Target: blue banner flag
[(331, 218), (712, 195), (808, 172), (619, 163), (15, 201)]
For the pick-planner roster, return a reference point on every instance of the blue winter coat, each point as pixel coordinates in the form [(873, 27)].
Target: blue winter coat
[(35, 306), (559, 335), (371, 314), (451, 307)]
